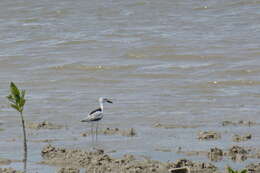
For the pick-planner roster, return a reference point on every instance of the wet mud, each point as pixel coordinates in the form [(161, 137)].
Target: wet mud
[(240, 138), (5, 161), (9, 170), (99, 161), (114, 131), (239, 123), (173, 126), (42, 125), (68, 170)]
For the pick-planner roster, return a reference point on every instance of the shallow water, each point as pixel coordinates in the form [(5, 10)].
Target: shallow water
[(180, 62)]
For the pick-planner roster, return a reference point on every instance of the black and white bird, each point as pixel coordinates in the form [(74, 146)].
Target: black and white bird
[(97, 114)]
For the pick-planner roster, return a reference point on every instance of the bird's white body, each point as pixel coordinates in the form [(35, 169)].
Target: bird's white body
[(97, 114)]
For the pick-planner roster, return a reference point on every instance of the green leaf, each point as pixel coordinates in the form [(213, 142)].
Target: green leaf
[(22, 102), (16, 97), (15, 107), (14, 90), (23, 94), (11, 99), (230, 170), (244, 171)]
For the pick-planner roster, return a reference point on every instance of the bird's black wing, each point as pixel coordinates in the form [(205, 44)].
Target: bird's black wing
[(94, 111)]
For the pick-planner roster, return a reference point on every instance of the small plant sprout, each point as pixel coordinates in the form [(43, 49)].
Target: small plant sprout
[(230, 170), (17, 101)]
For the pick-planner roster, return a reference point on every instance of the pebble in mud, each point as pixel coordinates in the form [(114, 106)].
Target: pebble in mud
[(208, 135), (239, 138), (114, 131), (99, 161)]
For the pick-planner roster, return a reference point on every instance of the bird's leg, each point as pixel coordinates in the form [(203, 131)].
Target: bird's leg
[(97, 131), (92, 134)]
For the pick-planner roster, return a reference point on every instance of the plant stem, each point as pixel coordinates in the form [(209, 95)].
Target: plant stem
[(24, 143)]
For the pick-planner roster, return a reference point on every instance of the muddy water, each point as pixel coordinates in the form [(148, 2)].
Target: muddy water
[(190, 63)]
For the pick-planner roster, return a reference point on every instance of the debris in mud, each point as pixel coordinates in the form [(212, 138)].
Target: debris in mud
[(253, 168), (238, 153), (99, 161), (215, 154), (239, 123), (68, 170), (42, 125), (114, 131), (238, 138), (208, 135), (173, 126), (9, 170)]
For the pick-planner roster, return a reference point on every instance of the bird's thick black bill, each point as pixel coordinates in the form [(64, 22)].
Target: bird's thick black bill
[(109, 101)]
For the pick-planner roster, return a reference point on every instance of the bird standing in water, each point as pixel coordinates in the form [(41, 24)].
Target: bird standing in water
[(96, 115)]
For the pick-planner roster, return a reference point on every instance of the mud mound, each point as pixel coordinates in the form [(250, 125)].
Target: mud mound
[(208, 135), (253, 168), (98, 161), (238, 153), (215, 154), (114, 131), (42, 125)]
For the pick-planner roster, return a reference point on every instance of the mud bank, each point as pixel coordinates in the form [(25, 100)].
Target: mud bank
[(235, 153), (99, 161), (114, 131), (239, 123)]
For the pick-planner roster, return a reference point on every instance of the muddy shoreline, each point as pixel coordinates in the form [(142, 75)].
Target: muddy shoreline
[(98, 160)]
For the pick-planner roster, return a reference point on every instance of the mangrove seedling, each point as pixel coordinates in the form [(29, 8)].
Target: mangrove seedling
[(230, 170), (17, 101)]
